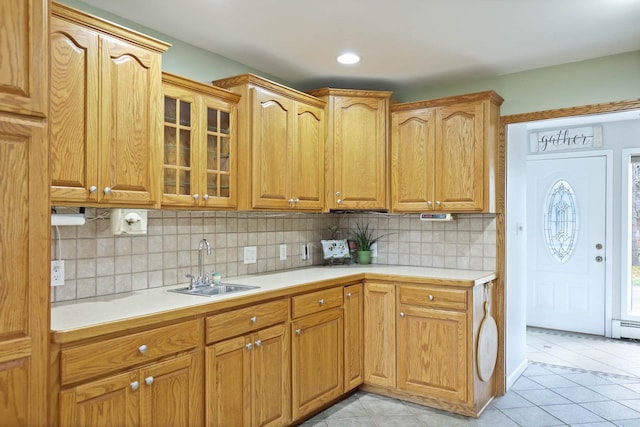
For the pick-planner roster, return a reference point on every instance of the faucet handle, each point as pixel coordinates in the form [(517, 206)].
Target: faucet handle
[(193, 280)]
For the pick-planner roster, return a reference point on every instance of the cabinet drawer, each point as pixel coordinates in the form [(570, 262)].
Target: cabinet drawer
[(243, 320), (316, 301), (434, 297), (114, 354)]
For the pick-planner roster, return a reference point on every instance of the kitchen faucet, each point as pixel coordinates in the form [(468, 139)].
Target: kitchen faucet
[(201, 280)]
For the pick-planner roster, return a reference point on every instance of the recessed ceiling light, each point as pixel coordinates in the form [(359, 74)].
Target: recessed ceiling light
[(348, 58)]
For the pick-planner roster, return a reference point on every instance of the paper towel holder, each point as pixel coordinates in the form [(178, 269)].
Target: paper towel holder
[(67, 219)]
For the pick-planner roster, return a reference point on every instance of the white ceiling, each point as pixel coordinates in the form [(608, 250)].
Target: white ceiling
[(403, 43)]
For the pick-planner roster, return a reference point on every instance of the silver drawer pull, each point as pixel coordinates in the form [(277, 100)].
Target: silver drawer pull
[(148, 380), (249, 346), (258, 343), (402, 314), (142, 349), (430, 297), (254, 319), (348, 294), (321, 302), (135, 385), (298, 331)]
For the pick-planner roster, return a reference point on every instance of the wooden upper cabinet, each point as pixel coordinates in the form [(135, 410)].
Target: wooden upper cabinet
[(281, 145), (23, 31), (356, 150), (200, 147), (105, 112), (444, 154)]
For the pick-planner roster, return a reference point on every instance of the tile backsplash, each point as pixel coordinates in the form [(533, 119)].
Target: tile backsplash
[(99, 263)]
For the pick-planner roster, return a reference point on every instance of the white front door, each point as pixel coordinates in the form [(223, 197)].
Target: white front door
[(566, 205)]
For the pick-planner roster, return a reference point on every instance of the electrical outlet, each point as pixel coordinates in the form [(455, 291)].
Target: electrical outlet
[(374, 250), (57, 272), (283, 252), (250, 255)]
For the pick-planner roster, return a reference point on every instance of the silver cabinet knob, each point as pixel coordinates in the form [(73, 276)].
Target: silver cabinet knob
[(430, 297), (429, 203), (142, 349), (298, 331), (206, 197), (337, 194), (107, 190), (438, 203), (249, 346), (321, 301), (339, 201), (296, 201), (135, 385), (254, 319), (93, 189), (290, 201), (402, 314), (599, 258), (196, 196), (149, 380), (348, 294), (258, 343)]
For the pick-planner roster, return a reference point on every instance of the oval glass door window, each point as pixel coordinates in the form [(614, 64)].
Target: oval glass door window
[(560, 221)]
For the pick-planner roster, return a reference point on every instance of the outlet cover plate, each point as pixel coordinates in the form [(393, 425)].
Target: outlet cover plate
[(57, 272), (250, 255), (283, 252)]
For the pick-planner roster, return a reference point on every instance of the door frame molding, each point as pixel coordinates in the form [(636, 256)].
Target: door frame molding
[(608, 244), (618, 106)]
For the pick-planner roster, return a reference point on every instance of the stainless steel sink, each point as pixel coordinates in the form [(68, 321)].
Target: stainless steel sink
[(210, 291)]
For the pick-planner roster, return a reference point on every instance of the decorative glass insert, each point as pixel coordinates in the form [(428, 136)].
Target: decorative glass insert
[(560, 221)]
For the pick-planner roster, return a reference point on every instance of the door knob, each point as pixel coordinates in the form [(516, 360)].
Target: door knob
[(599, 258)]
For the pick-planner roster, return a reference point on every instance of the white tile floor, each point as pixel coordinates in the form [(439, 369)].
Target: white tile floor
[(572, 379)]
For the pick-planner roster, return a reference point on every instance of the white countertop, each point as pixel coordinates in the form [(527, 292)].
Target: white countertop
[(88, 312)]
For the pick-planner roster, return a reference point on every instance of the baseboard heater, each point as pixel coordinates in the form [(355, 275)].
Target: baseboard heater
[(625, 329)]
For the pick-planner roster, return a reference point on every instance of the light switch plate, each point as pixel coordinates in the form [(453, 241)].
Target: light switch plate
[(283, 252), (57, 272), (250, 255)]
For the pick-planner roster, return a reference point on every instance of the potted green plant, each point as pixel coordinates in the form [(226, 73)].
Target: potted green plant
[(364, 238)]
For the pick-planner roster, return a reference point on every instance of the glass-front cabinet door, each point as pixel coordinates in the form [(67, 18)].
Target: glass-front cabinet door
[(199, 145), (178, 141)]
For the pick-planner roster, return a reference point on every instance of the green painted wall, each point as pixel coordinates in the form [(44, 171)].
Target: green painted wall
[(605, 79)]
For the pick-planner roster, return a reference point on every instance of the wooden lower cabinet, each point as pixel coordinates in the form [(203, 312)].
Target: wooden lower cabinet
[(166, 393), (432, 359), (380, 334), (317, 360), (421, 344), (353, 336), (248, 379)]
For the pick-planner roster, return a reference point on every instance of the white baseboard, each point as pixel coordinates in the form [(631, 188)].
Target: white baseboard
[(513, 376)]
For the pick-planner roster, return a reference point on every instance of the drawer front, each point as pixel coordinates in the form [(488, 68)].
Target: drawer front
[(243, 320), (115, 354), (434, 297), (316, 301)]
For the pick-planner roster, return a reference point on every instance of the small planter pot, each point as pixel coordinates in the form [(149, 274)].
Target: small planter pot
[(364, 257)]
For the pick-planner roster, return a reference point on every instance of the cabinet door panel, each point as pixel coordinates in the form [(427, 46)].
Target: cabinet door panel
[(412, 156), (271, 377), (353, 336), (24, 272), (109, 402), (23, 31), (380, 334), (272, 133), (130, 101), (74, 118), (460, 157), (168, 395), (317, 350), (360, 152), (228, 387), (307, 169), (432, 353)]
